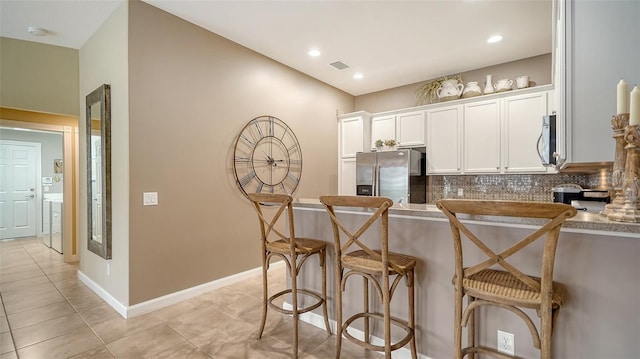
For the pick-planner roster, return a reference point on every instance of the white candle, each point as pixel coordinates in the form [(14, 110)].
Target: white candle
[(634, 115), (621, 100)]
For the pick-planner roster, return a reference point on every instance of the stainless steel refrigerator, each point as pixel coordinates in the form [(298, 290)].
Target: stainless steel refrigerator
[(399, 175)]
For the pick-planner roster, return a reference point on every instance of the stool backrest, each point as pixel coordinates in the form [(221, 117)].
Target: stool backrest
[(268, 220), (554, 213), (352, 236)]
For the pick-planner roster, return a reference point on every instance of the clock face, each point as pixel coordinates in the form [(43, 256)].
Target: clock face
[(267, 157)]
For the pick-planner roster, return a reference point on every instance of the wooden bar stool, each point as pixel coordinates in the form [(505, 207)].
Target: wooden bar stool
[(496, 282), (375, 267), (294, 252)]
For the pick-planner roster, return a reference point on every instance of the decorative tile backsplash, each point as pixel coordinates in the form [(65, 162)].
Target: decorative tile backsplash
[(534, 188)]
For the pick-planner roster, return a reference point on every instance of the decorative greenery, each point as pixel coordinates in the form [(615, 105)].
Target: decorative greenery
[(427, 92), (389, 143), (379, 143)]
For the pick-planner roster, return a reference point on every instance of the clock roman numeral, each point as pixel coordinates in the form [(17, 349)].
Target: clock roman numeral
[(271, 128), (242, 159), (293, 148), (257, 124), (247, 140), (247, 178), (293, 179)]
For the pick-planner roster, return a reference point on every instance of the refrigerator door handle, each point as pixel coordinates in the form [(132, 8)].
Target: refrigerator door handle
[(376, 178)]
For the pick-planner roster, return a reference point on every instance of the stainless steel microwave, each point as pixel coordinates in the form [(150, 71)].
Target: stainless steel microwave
[(546, 145)]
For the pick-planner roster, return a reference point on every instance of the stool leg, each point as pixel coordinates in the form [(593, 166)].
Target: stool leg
[(545, 331), (412, 316), (365, 292), (457, 327), (471, 328), (386, 299), (265, 295), (338, 275), (323, 263), (294, 303)]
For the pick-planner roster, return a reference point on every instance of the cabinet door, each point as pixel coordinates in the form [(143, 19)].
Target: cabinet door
[(482, 137), (410, 128), (347, 184), (351, 139), (383, 128), (444, 140), (603, 46), (522, 121)]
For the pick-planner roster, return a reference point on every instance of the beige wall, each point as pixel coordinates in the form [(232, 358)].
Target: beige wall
[(38, 77), (538, 69), (191, 92), (103, 60)]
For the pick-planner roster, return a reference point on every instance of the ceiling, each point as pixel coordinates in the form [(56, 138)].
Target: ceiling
[(392, 43)]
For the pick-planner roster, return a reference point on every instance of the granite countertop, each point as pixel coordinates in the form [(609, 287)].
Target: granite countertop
[(582, 222)]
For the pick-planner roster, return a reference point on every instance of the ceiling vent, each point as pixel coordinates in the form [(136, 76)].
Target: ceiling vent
[(339, 65)]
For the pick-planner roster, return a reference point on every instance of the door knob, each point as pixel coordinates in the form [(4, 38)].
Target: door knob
[(31, 196)]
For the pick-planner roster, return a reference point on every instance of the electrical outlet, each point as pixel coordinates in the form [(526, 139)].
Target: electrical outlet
[(460, 192), (506, 343)]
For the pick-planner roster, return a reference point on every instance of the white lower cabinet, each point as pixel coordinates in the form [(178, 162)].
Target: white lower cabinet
[(347, 170), (444, 140), (481, 133)]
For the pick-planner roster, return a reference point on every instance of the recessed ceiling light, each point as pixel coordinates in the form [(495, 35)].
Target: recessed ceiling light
[(358, 76), (494, 38), (37, 31), (314, 52)]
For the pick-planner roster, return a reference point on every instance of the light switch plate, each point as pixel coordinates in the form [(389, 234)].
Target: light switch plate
[(150, 198)]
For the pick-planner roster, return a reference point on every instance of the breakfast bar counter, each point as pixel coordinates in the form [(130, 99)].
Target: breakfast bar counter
[(596, 264), (583, 222)]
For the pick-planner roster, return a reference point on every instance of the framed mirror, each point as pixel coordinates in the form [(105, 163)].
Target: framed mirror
[(98, 105)]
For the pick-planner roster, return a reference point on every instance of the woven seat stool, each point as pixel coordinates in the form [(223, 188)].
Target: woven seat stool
[(495, 281), (294, 252), (376, 267)]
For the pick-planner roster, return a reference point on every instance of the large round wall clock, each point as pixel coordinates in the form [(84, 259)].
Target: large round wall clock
[(267, 157)]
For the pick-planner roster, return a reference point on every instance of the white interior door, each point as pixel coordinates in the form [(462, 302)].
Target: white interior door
[(18, 166)]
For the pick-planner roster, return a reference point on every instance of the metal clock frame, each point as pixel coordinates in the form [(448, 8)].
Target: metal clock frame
[(268, 141)]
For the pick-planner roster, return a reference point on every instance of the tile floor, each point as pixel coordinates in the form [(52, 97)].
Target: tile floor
[(48, 313)]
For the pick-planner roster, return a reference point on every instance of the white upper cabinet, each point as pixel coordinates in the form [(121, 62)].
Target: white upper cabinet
[(493, 134), (444, 140), (353, 133), (383, 128), (482, 137), (410, 128), (522, 119), (407, 128)]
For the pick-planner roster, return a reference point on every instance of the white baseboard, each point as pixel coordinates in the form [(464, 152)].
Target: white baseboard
[(169, 299), (318, 321), (112, 301)]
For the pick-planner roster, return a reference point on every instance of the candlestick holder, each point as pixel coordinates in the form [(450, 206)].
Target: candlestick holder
[(618, 124), (630, 211)]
